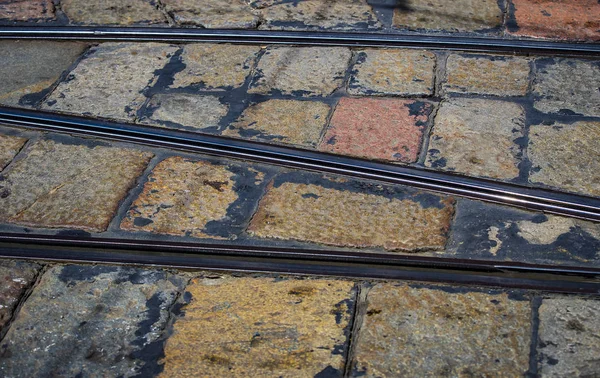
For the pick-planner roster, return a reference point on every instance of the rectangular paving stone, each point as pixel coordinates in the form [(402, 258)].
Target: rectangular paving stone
[(393, 72), (68, 185), (212, 66), (349, 216), (257, 327), (306, 71), (569, 337), (384, 129), (477, 137), (414, 331), (194, 198), (212, 14), (9, 147), (110, 80), (566, 156), (27, 10), (16, 277), (282, 121), (567, 86), (112, 12), (487, 74), (91, 321), (462, 16)]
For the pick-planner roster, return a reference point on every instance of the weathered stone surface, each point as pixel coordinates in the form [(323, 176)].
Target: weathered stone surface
[(174, 110), (96, 321), (184, 197), (463, 15), (109, 81), (569, 338), (284, 121), (451, 332), (386, 129), (312, 71), (112, 12), (574, 20), (353, 218), (317, 14), (566, 156), (9, 147), (215, 65), (212, 14), (257, 327), (393, 72), (29, 68), (567, 86), (487, 74), (16, 277), (27, 10), (477, 137), (68, 185)]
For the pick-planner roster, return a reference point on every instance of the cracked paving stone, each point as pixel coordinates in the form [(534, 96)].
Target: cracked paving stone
[(193, 198), (345, 217), (251, 327), (393, 72), (567, 87), (566, 156), (212, 14), (30, 68), (569, 338), (285, 121), (97, 321), (68, 185), (112, 12), (306, 71), (386, 129), (416, 331), (462, 16), (477, 137), (27, 10), (109, 81), (488, 75), (9, 148), (15, 278), (215, 65)]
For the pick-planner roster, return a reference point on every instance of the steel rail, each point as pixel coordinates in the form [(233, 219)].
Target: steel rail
[(364, 39)]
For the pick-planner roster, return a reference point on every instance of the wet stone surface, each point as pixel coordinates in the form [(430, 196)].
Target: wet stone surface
[(27, 10), (442, 331), (393, 72), (477, 137), (15, 278), (212, 14), (90, 321), (112, 12), (250, 327), (68, 185), (9, 147), (385, 129)]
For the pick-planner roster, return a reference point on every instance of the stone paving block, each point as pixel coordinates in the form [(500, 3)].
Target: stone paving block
[(306, 71), (30, 68), (477, 137), (215, 65), (412, 331), (27, 10), (91, 321), (284, 121), (569, 337), (462, 16), (9, 147), (68, 185), (194, 198), (386, 129), (317, 14), (112, 12), (347, 215), (16, 278), (566, 156), (109, 81), (567, 86), (573, 20), (212, 14), (261, 327), (393, 72), (174, 110), (487, 74)]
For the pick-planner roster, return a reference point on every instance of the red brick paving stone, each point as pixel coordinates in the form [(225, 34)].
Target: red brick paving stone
[(9, 147), (15, 278), (566, 19), (212, 14), (112, 12), (385, 129), (27, 10)]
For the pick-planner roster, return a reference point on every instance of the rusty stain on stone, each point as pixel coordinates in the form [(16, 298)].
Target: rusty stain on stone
[(212, 14), (112, 12), (9, 147)]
